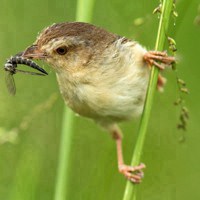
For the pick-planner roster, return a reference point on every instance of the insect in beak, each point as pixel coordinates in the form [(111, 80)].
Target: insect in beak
[(11, 65)]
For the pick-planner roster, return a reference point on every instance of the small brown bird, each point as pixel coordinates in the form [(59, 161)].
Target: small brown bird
[(101, 75)]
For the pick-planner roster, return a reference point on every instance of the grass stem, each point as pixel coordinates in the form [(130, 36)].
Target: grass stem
[(84, 13), (167, 5), (64, 155)]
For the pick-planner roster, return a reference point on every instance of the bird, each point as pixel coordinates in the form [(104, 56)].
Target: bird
[(101, 76)]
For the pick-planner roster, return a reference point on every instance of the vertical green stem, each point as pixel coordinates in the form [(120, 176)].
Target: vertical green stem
[(84, 13), (84, 10), (167, 5), (64, 155)]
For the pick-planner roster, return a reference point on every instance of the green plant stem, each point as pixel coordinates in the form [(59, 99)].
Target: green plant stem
[(167, 5), (84, 13), (64, 155), (84, 10)]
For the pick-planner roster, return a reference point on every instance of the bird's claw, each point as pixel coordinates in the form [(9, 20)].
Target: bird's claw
[(159, 59), (134, 174)]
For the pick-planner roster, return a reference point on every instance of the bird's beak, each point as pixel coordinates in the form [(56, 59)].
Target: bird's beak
[(33, 52)]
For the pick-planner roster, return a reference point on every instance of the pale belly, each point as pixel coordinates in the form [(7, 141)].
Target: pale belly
[(108, 101)]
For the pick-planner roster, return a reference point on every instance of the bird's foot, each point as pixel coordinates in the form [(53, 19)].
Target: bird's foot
[(134, 174), (159, 59)]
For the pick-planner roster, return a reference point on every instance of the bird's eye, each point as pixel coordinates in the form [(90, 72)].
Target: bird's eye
[(61, 50)]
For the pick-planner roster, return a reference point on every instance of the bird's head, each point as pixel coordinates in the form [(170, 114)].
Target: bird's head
[(69, 46)]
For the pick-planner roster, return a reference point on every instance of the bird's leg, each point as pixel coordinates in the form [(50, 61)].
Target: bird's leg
[(160, 60), (134, 174)]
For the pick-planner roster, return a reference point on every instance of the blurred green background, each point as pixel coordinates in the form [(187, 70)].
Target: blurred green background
[(30, 122)]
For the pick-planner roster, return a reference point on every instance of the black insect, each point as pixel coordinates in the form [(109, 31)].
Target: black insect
[(10, 68)]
